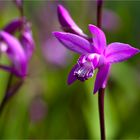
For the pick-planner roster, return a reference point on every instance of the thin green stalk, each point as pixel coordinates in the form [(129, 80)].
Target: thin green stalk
[(10, 91)]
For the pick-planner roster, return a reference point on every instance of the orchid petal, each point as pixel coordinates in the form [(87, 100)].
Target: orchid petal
[(118, 52), (99, 39), (15, 53), (67, 23), (13, 26), (27, 41), (101, 78), (74, 42), (71, 77)]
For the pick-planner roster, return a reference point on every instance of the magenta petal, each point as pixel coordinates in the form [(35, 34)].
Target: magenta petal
[(67, 23), (71, 77), (74, 42), (101, 78), (99, 39), (15, 53), (27, 41), (13, 26), (117, 52)]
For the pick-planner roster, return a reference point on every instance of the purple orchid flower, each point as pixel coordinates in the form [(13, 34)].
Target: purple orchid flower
[(19, 50), (95, 54), (12, 47)]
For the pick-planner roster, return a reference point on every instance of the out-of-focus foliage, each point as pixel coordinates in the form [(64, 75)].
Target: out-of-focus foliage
[(45, 106)]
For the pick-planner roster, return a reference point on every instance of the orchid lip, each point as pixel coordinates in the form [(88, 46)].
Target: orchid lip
[(86, 66), (83, 73)]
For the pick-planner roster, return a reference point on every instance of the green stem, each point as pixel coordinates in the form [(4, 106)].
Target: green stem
[(10, 91)]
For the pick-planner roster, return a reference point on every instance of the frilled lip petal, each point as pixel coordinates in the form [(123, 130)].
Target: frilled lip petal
[(74, 42), (101, 78), (118, 52), (99, 39), (67, 23), (15, 53), (71, 77), (13, 26)]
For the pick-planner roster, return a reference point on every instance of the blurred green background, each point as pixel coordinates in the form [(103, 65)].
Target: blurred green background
[(46, 107)]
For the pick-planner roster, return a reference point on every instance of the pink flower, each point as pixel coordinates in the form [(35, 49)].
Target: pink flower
[(94, 53)]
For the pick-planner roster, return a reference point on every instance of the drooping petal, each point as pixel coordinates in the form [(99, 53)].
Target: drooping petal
[(117, 52), (67, 23), (101, 78), (99, 39), (71, 77), (74, 42), (15, 53), (27, 41), (13, 26)]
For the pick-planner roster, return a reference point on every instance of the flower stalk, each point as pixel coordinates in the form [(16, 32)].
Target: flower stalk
[(101, 112), (10, 91), (101, 90), (19, 4), (99, 12)]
